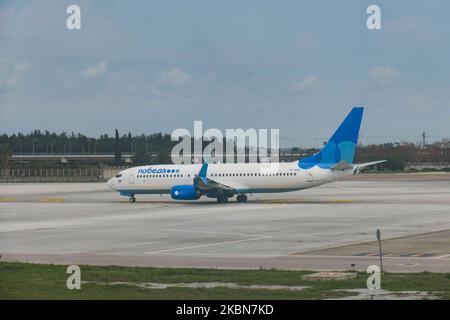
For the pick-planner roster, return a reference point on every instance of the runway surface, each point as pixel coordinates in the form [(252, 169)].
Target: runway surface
[(316, 229)]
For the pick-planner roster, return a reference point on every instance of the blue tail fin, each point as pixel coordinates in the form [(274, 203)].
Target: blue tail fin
[(341, 146)]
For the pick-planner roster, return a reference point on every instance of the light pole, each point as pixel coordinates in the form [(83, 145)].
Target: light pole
[(379, 248)]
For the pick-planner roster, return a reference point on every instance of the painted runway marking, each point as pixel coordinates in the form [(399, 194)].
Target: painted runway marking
[(115, 249), (51, 200), (302, 201), (221, 233), (7, 199), (443, 256), (205, 245)]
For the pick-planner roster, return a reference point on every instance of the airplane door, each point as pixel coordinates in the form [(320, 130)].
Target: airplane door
[(131, 178), (309, 176)]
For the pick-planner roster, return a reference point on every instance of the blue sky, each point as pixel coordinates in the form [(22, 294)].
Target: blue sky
[(147, 66)]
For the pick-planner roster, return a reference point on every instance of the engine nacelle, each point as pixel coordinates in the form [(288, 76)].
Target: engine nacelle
[(184, 192)]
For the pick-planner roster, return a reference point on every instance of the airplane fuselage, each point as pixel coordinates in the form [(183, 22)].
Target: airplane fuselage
[(243, 177)]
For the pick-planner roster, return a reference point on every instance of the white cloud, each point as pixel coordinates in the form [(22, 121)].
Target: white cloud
[(383, 74), (175, 77), (14, 72), (305, 84), (95, 71)]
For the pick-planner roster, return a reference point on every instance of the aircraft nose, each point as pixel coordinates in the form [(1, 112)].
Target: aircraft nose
[(111, 183)]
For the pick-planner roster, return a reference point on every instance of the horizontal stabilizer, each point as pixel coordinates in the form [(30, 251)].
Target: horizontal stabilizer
[(360, 166), (342, 165)]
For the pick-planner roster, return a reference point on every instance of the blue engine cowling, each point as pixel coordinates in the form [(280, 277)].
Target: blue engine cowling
[(184, 192)]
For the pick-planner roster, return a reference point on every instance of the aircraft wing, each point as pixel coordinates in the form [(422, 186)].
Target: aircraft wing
[(205, 184)]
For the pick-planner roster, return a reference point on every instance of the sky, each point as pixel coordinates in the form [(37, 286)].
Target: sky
[(299, 66)]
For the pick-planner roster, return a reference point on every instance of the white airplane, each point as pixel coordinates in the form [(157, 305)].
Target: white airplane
[(224, 181)]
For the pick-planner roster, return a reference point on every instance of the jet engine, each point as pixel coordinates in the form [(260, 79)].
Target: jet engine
[(184, 192)]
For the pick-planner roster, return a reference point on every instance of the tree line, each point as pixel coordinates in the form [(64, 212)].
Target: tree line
[(156, 148)]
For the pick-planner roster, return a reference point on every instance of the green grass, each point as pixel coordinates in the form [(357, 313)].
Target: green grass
[(40, 281)]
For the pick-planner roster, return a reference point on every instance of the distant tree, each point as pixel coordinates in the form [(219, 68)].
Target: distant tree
[(5, 154), (117, 153)]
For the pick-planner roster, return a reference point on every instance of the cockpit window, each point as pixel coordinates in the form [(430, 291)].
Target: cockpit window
[(118, 175)]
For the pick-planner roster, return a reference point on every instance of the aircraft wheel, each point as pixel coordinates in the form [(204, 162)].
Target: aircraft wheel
[(222, 199), (241, 198), (132, 200)]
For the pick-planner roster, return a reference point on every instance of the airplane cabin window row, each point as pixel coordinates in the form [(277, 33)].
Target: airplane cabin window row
[(277, 174)]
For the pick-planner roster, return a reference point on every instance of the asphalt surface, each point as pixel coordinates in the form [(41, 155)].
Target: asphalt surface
[(325, 228)]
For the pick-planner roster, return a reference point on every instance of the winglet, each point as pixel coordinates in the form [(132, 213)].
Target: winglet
[(202, 174), (203, 170)]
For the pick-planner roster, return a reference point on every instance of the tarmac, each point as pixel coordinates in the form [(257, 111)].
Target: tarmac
[(331, 227)]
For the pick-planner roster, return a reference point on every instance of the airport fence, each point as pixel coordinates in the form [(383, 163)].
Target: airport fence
[(92, 174)]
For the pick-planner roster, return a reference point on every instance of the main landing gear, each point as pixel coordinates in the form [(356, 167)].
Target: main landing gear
[(222, 199), (241, 198), (132, 199)]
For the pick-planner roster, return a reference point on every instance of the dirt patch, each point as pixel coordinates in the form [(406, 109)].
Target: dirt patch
[(366, 294), (207, 285)]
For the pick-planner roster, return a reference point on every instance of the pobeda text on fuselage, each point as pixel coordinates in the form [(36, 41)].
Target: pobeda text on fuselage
[(224, 181)]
